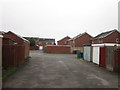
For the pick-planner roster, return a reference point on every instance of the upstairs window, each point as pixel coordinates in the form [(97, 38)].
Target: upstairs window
[(100, 40), (117, 40)]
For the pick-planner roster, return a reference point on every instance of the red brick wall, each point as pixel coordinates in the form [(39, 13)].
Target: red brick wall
[(84, 39), (62, 42), (112, 38), (95, 42), (71, 43), (109, 39), (57, 49)]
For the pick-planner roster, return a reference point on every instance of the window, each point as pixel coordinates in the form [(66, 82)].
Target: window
[(117, 40), (73, 41), (65, 42), (52, 43), (100, 40)]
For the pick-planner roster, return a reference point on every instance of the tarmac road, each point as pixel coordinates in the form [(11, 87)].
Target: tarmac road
[(60, 71)]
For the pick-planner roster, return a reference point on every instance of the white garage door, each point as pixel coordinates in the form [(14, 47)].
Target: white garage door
[(87, 53), (96, 52), (41, 47)]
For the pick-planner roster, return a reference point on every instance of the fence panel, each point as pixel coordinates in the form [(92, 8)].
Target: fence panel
[(116, 63), (13, 55), (110, 58)]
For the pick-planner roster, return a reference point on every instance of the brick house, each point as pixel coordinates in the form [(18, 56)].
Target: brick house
[(2, 32), (11, 37), (63, 41), (42, 42), (80, 40), (112, 36)]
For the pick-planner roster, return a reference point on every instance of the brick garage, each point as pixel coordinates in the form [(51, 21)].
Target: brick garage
[(57, 49)]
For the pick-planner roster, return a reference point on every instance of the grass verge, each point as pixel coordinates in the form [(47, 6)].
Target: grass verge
[(11, 70), (8, 71)]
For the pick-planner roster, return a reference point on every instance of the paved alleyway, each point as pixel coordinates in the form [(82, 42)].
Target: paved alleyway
[(60, 71)]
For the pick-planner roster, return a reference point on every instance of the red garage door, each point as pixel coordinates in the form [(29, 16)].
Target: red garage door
[(102, 61)]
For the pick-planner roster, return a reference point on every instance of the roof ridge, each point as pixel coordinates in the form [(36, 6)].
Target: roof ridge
[(19, 36), (64, 38), (104, 34)]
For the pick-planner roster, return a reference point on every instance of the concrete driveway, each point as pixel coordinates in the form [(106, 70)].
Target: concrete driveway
[(60, 71)]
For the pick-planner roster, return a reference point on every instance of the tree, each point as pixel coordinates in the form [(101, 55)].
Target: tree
[(32, 42)]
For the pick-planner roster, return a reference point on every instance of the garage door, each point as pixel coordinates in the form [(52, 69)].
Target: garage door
[(87, 53), (96, 52), (41, 47)]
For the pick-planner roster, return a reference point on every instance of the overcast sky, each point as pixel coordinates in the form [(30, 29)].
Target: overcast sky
[(58, 18)]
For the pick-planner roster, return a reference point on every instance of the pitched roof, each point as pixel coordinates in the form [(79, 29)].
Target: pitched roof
[(2, 32), (19, 37), (64, 38), (104, 34), (77, 36)]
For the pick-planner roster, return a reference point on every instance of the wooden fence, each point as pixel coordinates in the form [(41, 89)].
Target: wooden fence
[(116, 64), (112, 57), (13, 55)]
